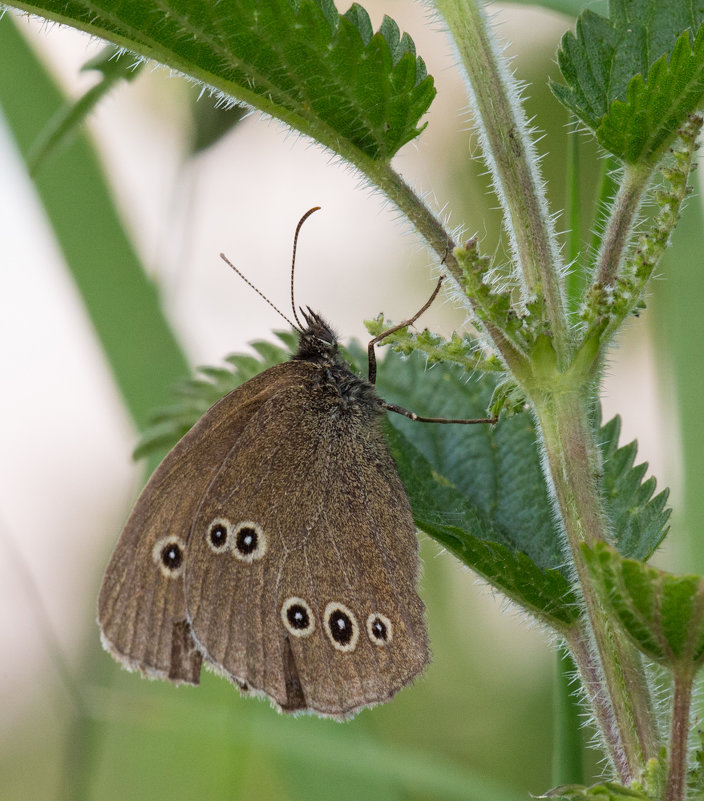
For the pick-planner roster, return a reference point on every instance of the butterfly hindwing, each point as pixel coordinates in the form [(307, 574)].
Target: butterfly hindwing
[(301, 569)]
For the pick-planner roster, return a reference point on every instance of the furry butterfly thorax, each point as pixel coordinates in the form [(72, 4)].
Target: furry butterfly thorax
[(318, 343)]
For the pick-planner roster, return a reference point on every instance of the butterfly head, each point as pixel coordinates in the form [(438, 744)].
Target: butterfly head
[(316, 341)]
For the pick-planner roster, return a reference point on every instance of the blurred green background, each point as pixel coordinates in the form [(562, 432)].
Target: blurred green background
[(109, 266)]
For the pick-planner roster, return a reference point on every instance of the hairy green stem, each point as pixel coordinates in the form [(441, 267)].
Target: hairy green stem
[(382, 175), (679, 734), (606, 190), (510, 155), (575, 283), (573, 462), (622, 219)]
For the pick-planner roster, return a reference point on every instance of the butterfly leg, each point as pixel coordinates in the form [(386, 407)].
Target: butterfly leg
[(392, 407), (370, 347)]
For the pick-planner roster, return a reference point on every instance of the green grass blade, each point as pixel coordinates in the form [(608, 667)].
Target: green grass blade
[(567, 746), (571, 7), (122, 303), (678, 333)]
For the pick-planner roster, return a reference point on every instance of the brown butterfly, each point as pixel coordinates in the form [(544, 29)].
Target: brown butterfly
[(276, 542)]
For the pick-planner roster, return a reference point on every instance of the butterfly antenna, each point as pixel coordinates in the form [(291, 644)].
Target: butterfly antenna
[(293, 259), (261, 294)]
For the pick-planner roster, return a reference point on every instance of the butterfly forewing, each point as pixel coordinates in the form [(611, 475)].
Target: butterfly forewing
[(302, 560), (141, 607)]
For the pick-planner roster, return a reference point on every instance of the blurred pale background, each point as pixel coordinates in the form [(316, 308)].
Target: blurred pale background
[(66, 476)]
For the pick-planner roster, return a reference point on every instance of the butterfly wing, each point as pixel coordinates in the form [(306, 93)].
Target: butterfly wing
[(302, 565), (141, 606)]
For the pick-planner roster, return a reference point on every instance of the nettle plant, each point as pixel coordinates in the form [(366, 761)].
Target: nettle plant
[(564, 530)]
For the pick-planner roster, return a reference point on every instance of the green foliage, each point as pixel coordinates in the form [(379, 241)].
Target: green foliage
[(633, 78), (487, 479), (662, 613), (480, 490), (498, 468), (696, 774), (195, 395), (443, 512), (606, 306), (654, 107), (524, 329), (568, 7), (508, 399), (328, 75)]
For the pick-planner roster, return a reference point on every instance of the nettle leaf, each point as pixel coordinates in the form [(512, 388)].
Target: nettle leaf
[(661, 612), (638, 519), (655, 108), (445, 514), (327, 75), (696, 772), (478, 490), (633, 78)]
